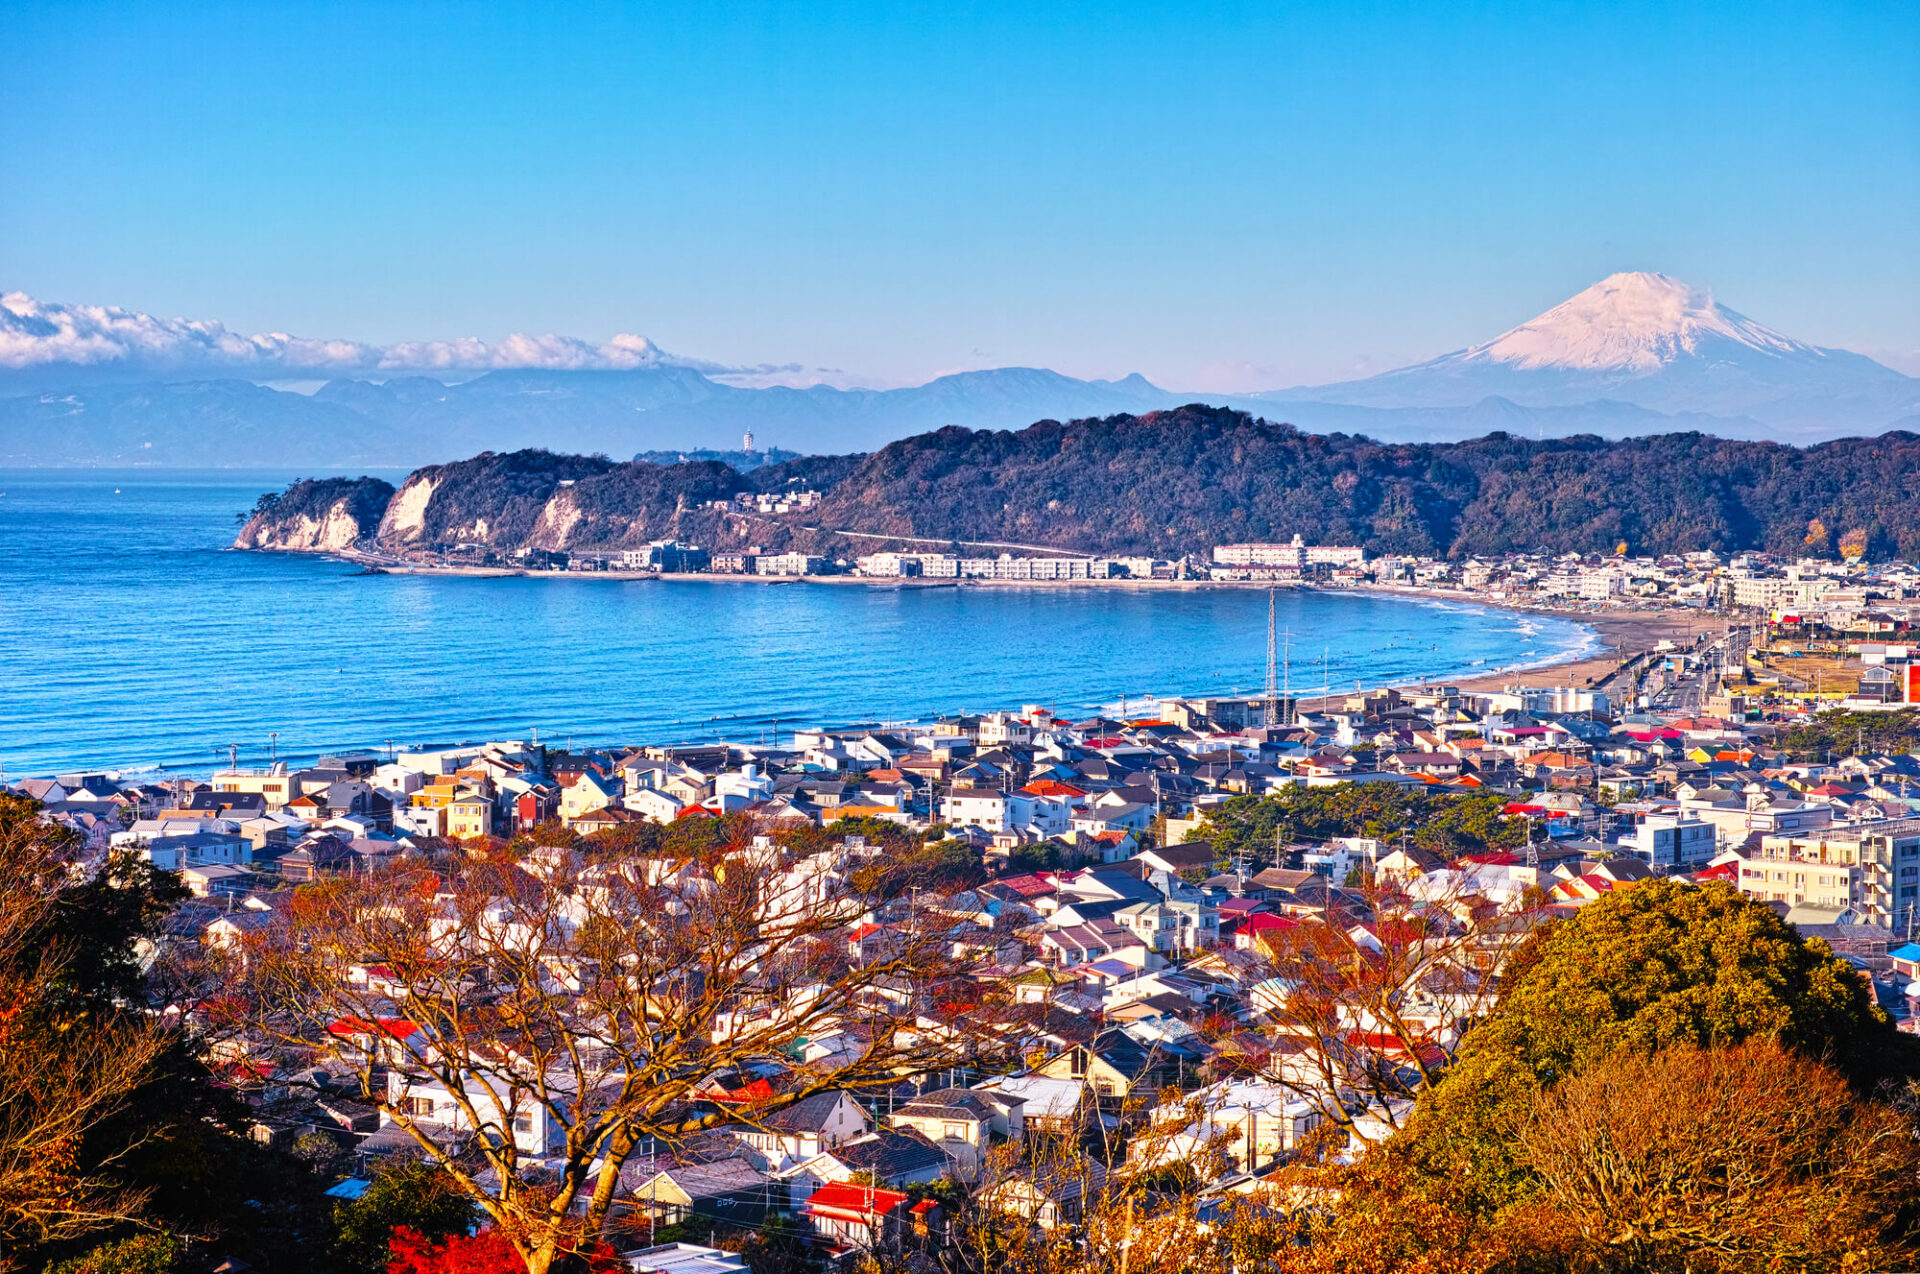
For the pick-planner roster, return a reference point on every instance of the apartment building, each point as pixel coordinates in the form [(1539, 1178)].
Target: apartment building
[(1875, 867)]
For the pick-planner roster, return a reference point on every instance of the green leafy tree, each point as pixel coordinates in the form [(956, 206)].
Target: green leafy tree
[(140, 1254), (1448, 823), (1668, 963), (205, 1177), (1045, 856), (420, 1195), (1841, 734), (1660, 965), (1629, 978), (781, 1246)]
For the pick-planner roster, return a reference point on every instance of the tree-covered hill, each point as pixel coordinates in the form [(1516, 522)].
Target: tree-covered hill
[(1179, 481), (1174, 482)]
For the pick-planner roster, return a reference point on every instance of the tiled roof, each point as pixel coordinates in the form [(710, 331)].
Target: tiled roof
[(846, 1200), (891, 1154), (948, 1101)]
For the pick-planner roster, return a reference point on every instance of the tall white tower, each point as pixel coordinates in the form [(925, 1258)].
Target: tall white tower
[(746, 441)]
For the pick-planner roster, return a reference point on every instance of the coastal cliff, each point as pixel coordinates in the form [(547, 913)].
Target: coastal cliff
[(1163, 483), (317, 516), (493, 499)]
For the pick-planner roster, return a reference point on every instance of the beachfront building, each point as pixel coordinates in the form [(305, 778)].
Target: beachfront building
[(1296, 553)]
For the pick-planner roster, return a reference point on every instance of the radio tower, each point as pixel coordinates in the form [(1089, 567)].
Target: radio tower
[(1273, 667)]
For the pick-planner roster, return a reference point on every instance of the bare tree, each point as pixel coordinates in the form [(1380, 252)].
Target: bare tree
[(1114, 1189), (556, 1018), (1368, 1002)]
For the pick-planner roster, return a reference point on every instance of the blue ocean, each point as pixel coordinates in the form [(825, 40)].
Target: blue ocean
[(132, 639)]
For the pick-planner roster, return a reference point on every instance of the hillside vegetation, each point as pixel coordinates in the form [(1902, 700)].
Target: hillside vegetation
[(1174, 482), (1180, 481)]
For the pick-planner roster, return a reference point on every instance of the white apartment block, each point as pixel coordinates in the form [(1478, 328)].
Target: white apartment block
[(1293, 554), (1880, 864)]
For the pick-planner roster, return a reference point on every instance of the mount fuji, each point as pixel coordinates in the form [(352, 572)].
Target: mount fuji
[(1630, 345)]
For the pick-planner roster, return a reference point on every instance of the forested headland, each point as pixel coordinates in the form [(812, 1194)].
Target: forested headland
[(1177, 482)]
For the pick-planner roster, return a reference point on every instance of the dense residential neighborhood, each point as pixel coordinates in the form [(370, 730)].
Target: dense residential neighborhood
[(1046, 957), (960, 639)]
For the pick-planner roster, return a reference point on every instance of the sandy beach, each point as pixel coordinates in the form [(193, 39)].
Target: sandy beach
[(1623, 633), (1626, 633)]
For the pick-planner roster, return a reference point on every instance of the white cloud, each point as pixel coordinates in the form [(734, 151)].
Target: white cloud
[(42, 333)]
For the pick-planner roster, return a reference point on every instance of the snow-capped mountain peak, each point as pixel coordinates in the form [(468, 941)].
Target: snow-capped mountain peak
[(1631, 323)]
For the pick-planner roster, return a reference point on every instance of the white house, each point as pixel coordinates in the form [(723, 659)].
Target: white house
[(807, 1128), (987, 809)]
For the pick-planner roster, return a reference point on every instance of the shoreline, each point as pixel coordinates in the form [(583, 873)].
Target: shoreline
[(1604, 638), (1617, 637), (1616, 634)]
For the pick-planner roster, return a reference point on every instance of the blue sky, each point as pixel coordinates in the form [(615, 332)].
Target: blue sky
[(1226, 197)]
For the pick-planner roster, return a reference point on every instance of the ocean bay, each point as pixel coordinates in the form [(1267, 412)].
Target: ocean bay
[(130, 637)]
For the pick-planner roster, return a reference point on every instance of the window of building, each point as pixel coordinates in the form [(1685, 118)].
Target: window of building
[(420, 1107)]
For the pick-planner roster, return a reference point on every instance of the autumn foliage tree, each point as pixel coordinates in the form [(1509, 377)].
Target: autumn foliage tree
[(487, 1252), (559, 1014), (1366, 1003), (71, 1056), (1719, 1159), (1669, 1056)]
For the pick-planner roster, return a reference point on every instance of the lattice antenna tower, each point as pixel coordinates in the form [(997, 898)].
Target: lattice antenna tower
[(1273, 666)]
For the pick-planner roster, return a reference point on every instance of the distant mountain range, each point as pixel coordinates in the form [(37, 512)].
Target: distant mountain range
[(1635, 344), (1634, 354)]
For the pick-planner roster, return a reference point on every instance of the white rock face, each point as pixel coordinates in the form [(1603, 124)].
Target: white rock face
[(1635, 323), (339, 531), (554, 527), (406, 516), (304, 534)]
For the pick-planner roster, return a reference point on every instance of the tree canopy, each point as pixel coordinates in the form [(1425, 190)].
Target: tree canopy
[(419, 1196), (1841, 733), (1667, 963), (1656, 988), (1448, 823)]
